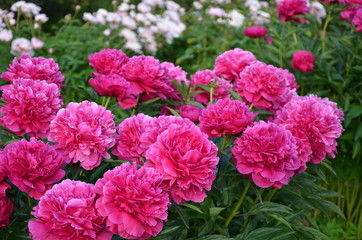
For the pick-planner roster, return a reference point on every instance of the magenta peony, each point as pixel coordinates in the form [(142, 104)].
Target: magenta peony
[(191, 112), (6, 209), (29, 107), (115, 86), (133, 201), (187, 161), (265, 86), (290, 10), (225, 117), (37, 68), (231, 63), (318, 119), (267, 154), (32, 166), (128, 140), (68, 211), (303, 61), (108, 61), (255, 31), (353, 14), (175, 72), (208, 77), (146, 75), (83, 132)]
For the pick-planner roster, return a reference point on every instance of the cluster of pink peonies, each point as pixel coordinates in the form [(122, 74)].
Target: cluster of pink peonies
[(353, 13), (129, 79)]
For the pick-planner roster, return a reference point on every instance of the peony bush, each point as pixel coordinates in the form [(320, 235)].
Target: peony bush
[(203, 123)]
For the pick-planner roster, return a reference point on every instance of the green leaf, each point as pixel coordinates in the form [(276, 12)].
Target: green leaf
[(356, 148), (183, 216), (211, 237), (195, 104), (192, 207), (215, 211), (173, 111), (282, 220), (234, 95), (261, 234)]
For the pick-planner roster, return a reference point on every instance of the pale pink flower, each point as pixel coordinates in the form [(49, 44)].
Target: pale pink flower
[(267, 154), (21, 46), (133, 201), (36, 43), (318, 119), (83, 132), (187, 161), (29, 107), (231, 63), (68, 211), (32, 166), (37, 68), (225, 117)]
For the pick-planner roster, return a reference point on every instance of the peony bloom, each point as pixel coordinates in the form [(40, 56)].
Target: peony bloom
[(115, 86), (32, 166), (108, 61), (37, 68), (175, 73), (255, 31), (225, 117), (318, 11), (354, 14), (208, 77), (265, 86), (267, 154), (318, 119), (128, 140), (36, 43), (187, 161), (191, 112), (231, 63), (29, 107), (83, 132), (148, 76), (133, 201), (289, 10), (21, 46), (303, 61), (68, 211), (6, 209), (6, 35)]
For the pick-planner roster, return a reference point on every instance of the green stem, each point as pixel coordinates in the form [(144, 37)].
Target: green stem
[(270, 194), (18, 19), (211, 94), (233, 213), (29, 200), (107, 102), (324, 30), (223, 143), (260, 192)]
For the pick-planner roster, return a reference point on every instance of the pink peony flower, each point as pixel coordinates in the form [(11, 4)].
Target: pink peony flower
[(208, 77), (83, 132), (146, 75), (32, 166), (68, 211), (318, 119), (354, 14), (108, 61), (231, 63), (37, 68), (29, 107), (303, 61), (187, 161), (225, 117), (267, 154), (133, 201), (289, 10), (115, 86), (128, 140), (175, 72), (156, 126), (265, 86), (191, 112), (255, 31), (6, 209)]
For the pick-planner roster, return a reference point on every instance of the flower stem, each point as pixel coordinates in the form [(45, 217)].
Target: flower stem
[(211, 93), (233, 213), (270, 194), (107, 102), (324, 30), (223, 143)]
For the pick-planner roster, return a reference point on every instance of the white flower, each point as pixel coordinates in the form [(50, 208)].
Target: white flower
[(171, 5), (124, 7), (36, 43), (143, 7), (107, 32), (197, 5), (216, 12), (318, 11), (260, 17), (6, 35), (42, 18), (236, 19), (17, 6), (129, 22), (21, 46)]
